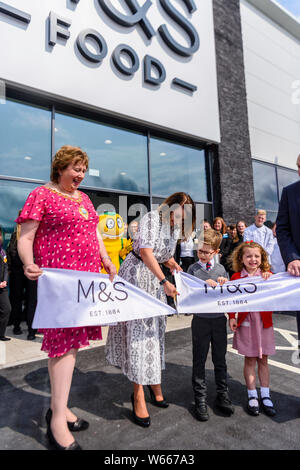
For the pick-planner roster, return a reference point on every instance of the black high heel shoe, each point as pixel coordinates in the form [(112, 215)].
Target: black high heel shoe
[(53, 441), (144, 422), (161, 404), (78, 425)]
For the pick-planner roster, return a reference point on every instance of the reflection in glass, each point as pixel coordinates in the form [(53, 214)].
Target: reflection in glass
[(271, 218), (177, 168), (25, 136), (203, 211), (12, 196), (286, 177), (130, 207), (265, 186), (118, 158)]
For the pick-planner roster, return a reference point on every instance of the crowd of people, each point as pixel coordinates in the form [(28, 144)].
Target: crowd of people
[(233, 235), (57, 228), (18, 294)]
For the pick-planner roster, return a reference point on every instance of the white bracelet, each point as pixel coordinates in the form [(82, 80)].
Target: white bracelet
[(106, 257)]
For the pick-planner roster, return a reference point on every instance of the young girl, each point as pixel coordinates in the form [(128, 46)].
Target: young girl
[(253, 331)]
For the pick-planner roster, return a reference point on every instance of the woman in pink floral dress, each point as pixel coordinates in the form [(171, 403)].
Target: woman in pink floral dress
[(59, 230)]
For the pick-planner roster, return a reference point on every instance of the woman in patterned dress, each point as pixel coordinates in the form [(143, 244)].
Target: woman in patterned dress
[(137, 347), (59, 230)]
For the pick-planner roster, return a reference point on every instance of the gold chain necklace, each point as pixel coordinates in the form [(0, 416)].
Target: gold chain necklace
[(82, 210)]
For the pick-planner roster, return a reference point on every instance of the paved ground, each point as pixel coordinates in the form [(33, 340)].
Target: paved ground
[(20, 350), (101, 395)]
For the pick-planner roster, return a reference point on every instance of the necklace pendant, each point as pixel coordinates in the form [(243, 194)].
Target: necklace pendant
[(83, 212)]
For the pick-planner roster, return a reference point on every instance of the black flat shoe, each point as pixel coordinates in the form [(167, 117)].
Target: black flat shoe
[(269, 410), (78, 425), (223, 403), (201, 412), (161, 404), (144, 422), (31, 336), (252, 410), (17, 330), (4, 338), (53, 441)]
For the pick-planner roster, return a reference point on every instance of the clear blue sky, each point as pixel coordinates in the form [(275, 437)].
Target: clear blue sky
[(291, 5)]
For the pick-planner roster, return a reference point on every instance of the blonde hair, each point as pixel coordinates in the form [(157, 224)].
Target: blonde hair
[(261, 212), (237, 257), (210, 237), (64, 157)]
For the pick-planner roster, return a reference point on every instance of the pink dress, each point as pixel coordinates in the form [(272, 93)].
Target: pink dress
[(66, 238), (251, 339)]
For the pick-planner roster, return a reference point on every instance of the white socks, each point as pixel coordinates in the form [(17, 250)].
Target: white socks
[(264, 392), (253, 394)]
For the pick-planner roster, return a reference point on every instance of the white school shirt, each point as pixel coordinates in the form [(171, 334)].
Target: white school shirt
[(187, 248), (203, 265), (261, 235), (277, 264)]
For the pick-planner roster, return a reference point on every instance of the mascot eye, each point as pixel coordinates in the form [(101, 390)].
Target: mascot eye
[(119, 222), (110, 223)]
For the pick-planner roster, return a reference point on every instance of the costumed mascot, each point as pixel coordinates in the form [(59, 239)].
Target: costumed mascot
[(111, 228)]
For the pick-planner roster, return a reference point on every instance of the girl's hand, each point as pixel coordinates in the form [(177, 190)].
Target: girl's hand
[(233, 324), (211, 283), (221, 280), (266, 276), (170, 289), (32, 271), (3, 284)]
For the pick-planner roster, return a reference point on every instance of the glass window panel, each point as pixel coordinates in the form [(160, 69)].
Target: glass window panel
[(12, 196), (203, 211), (118, 158), (130, 207), (25, 136), (176, 168), (265, 186), (286, 177), (271, 218)]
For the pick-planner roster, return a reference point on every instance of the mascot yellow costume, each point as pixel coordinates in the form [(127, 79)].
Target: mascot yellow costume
[(111, 228)]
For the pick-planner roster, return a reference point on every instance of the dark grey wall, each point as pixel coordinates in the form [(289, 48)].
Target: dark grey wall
[(232, 163)]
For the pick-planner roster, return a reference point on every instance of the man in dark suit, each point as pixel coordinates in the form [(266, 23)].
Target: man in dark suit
[(288, 230)]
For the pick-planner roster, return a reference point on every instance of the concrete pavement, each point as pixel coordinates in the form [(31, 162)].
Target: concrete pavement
[(101, 395)]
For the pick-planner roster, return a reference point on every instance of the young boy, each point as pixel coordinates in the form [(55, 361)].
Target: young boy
[(209, 328)]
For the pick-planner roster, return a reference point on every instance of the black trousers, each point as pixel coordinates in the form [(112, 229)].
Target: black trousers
[(206, 331), (5, 309), (186, 262), (20, 289)]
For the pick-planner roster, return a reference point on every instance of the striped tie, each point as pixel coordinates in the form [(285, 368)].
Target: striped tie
[(208, 266)]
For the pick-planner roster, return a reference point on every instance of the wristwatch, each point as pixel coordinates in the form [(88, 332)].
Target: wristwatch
[(163, 281)]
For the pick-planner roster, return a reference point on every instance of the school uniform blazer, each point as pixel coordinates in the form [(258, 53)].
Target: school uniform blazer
[(265, 316), (288, 223)]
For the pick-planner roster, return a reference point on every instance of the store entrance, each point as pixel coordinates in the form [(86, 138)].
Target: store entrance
[(130, 207)]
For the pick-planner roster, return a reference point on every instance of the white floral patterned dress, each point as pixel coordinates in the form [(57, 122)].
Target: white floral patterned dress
[(137, 347)]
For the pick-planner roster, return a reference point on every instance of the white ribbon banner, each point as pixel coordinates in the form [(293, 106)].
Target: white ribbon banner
[(281, 292), (68, 299)]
